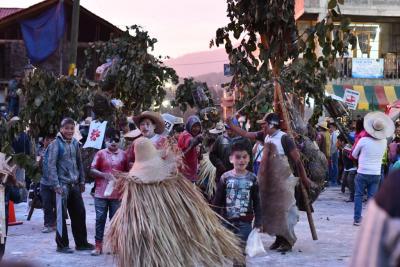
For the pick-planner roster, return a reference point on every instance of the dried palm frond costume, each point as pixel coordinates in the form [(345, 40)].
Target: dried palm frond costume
[(207, 176), (164, 220)]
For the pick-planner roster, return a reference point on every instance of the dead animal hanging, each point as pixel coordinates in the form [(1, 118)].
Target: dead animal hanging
[(276, 187), (315, 164), (164, 220)]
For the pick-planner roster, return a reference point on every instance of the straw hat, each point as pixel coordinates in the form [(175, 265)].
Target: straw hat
[(153, 116), (378, 125), (323, 125), (149, 167), (219, 128), (133, 134)]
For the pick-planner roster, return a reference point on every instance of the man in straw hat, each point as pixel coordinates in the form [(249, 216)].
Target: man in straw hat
[(370, 151), (152, 126), (164, 220)]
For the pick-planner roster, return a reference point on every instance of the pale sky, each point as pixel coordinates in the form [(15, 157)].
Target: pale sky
[(180, 26)]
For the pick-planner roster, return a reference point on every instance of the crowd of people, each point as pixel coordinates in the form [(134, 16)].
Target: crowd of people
[(248, 165)]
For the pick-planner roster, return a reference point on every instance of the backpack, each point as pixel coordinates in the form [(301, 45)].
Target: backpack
[(45, 166)]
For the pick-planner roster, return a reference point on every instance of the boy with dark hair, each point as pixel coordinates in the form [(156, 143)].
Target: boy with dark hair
[(66, 175), (237, 198)]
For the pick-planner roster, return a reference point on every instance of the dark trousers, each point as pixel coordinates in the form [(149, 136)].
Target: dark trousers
[(73, 202), (102, 206), (49, 205), (348, 180)]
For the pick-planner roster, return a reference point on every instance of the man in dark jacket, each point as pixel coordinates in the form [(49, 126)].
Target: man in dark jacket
[(221, 150)]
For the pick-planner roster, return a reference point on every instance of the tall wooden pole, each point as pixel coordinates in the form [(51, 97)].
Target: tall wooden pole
[(74, 37), (280, 108)]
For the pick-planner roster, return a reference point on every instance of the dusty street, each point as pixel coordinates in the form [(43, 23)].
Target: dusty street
[(333, 218)]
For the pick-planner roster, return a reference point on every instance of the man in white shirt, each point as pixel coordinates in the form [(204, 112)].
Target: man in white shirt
[(370, 151)]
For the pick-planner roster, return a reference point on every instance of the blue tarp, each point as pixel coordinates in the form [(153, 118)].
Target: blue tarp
[(42, 34)]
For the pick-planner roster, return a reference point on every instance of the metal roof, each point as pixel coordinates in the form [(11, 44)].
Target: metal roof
[(4, 11)]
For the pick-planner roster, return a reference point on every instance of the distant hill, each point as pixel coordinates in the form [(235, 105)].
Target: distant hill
[(199, 63)]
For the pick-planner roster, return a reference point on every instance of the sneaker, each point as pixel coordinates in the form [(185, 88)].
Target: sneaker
[(349, 200), (66, 250), (47, 230), (87, 246), (357, 223), (98, 250)]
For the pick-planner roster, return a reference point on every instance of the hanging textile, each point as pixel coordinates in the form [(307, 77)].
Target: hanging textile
[(42, 34)]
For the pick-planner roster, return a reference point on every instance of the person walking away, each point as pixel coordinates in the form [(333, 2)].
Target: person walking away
[(47, 192), (378, 240), (350, 169), (370, 151), (67, 178), (334, 156), (188, 143), (220, 152), (104, 163), (323, 140), (237, 198)]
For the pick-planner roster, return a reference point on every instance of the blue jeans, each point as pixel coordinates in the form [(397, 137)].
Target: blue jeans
[(241, 229), (333, 168), (362, 182), (102, 205)]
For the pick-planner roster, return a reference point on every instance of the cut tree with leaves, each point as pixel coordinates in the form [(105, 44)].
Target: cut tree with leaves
[(137, 77), (267, 34), (270, 48), (49, 99)]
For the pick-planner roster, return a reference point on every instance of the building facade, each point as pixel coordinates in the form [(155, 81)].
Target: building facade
[(373, 68)]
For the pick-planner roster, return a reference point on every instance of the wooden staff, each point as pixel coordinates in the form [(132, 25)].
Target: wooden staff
[(282, 108)]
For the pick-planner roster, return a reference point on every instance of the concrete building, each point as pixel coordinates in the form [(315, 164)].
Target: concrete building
[(373, 69)]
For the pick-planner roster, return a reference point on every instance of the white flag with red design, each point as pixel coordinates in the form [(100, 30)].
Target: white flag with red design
[(97, 131)]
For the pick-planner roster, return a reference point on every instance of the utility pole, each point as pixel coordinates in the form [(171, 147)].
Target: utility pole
[(74, 37)]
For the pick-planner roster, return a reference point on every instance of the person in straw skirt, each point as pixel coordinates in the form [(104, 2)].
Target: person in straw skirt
[(164, 220)]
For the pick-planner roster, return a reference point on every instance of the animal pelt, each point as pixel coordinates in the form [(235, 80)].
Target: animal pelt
[(168, 224), (276, 187), (316, 166)]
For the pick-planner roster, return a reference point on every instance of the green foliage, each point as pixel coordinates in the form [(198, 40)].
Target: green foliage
[(272, 22), (138, 78), (49, 99), (184, 95)]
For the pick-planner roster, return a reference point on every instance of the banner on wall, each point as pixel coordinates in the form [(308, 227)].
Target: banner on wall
[(367, 68)]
